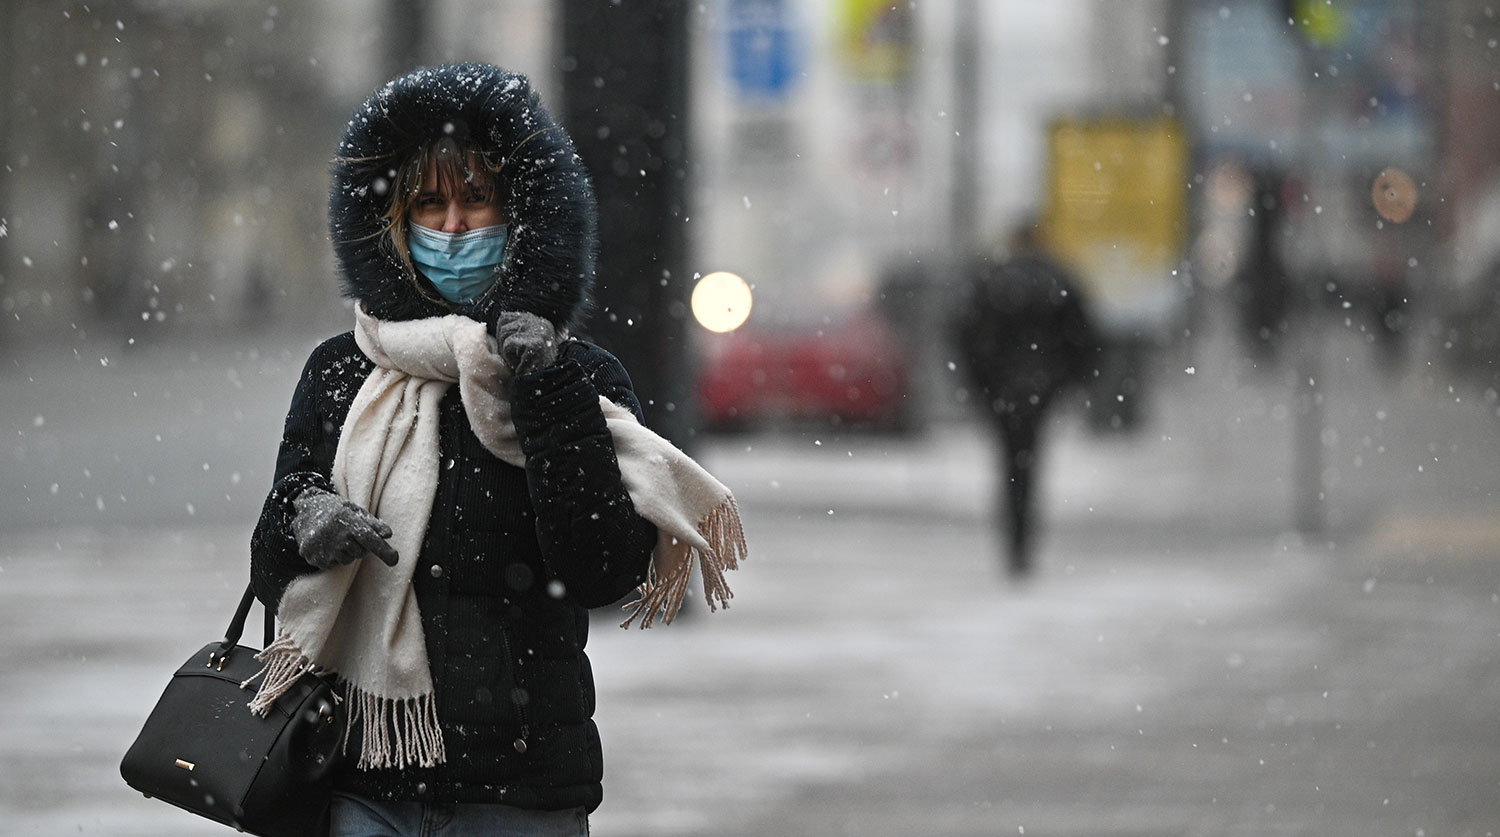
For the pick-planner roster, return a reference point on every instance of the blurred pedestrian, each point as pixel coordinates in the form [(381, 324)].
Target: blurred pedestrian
[(436, 547), (1263, 283), (1023, 335)]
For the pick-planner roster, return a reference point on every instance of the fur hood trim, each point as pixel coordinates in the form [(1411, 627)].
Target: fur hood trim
[(549, 259)]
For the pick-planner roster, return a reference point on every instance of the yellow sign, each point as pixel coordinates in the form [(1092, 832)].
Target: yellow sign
[(1323, 23), (875, 38), (1116, 210)]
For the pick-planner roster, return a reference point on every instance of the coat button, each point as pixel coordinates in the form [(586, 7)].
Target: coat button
[(437, 571), (421, 787)]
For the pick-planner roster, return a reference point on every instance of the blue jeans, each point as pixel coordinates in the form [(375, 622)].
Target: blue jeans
[(355, 816)]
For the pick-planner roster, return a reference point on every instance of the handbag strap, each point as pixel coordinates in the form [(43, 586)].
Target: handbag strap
[(237, 624)]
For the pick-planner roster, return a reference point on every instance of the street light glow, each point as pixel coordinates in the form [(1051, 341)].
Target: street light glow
[(721, 301)]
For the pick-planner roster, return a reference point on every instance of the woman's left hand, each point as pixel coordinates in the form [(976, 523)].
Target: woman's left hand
[(527, 342)]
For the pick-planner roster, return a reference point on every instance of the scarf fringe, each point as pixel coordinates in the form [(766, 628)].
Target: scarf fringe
[(663, 595), (284, 664), (394, 732)]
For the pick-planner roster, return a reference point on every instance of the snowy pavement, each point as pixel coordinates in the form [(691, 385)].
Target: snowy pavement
[(1182, 664)]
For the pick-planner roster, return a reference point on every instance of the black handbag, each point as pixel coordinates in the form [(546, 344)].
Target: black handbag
[(204, 751)]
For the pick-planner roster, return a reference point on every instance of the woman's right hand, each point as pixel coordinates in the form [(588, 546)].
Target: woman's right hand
[(332, 531)]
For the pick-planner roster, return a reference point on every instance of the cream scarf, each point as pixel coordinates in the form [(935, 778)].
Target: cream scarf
[(360, 621)]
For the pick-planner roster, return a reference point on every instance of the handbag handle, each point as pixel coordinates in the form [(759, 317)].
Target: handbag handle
[(237, 624)]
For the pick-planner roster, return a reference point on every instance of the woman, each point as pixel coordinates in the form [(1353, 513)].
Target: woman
[(492, 466)]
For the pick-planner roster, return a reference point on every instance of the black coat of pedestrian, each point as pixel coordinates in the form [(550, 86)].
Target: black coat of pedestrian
[(1023, 335)]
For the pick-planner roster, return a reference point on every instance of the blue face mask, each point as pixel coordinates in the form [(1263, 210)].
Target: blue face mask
[(461, 266)]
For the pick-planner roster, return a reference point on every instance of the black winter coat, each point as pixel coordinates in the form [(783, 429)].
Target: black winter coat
[(513, 557), (1023, 333), (511, 562)]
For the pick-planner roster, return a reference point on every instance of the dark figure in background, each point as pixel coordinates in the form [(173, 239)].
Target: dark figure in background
[(1264, 289), (1023, 335)]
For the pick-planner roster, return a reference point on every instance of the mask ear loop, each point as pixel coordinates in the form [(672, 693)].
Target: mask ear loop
[(494, 287)]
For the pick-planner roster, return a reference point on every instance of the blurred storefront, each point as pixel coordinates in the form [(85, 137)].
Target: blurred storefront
[(164, 164), (1340, 166), (906, 137)]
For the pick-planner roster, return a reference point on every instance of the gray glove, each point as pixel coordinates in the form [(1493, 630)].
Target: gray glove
[(527, 342), (332, 531)]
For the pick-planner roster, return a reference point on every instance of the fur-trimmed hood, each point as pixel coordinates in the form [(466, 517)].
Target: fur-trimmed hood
[(549, 256)]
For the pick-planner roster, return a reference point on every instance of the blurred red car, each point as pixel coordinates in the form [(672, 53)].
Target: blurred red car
[(853, 372)]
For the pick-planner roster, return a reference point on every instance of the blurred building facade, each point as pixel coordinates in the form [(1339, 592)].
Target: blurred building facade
[(164, 162)]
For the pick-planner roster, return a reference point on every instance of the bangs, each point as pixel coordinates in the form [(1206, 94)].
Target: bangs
[(458, 169)]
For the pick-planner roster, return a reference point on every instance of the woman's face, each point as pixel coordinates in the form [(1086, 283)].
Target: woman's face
[(454, 207)]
